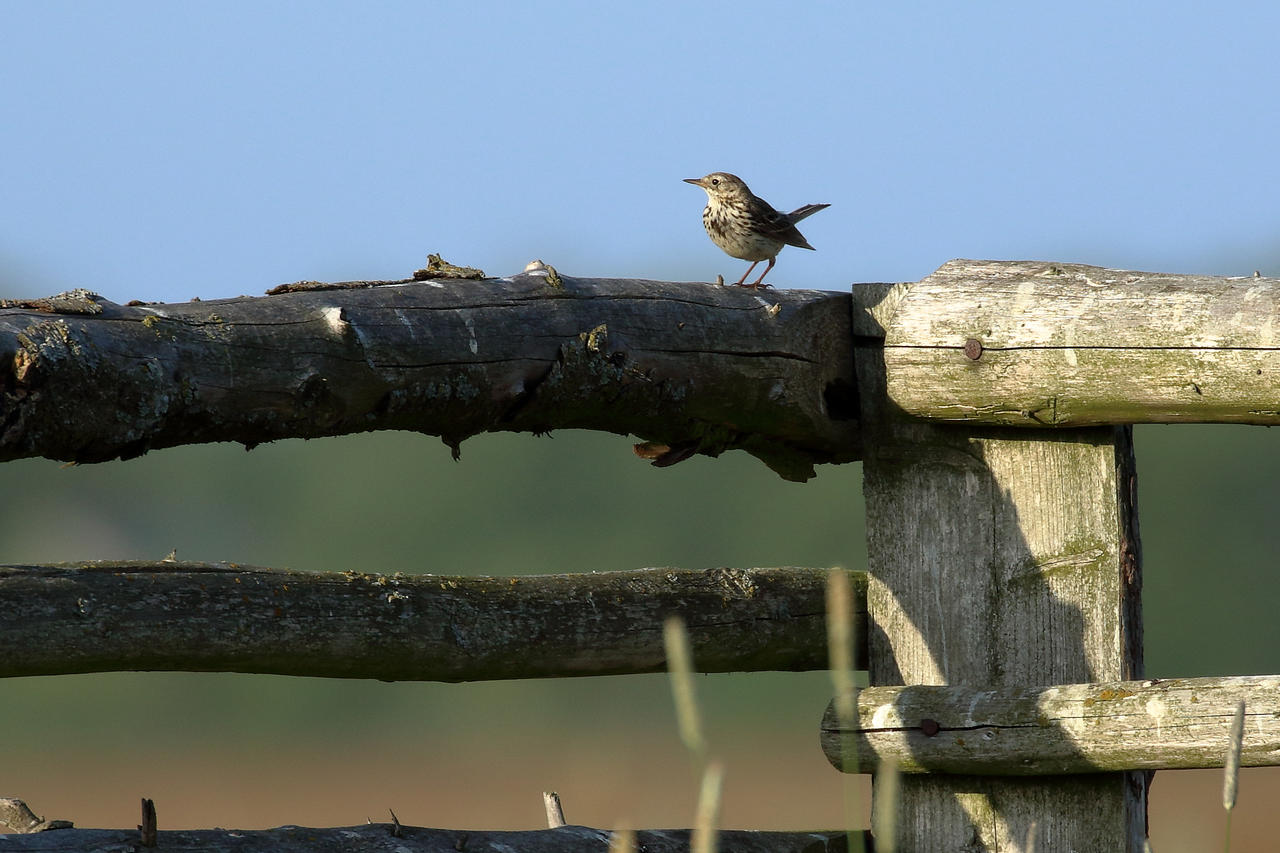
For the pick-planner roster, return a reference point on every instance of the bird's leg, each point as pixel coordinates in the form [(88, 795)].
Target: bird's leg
[(757, 284), (739, 282)]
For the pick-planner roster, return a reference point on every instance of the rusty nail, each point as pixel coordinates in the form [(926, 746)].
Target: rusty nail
[(973, 349), (930, 727)]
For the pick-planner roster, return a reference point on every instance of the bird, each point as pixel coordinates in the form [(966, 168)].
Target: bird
[(746, 226)]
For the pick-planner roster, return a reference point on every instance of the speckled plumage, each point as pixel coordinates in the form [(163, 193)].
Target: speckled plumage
[(746, 226)]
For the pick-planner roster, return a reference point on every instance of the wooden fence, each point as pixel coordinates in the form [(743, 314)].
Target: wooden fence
[(990, 405)]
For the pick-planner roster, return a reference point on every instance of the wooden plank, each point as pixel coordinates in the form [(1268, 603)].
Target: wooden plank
[(690, 366), (1030, 343), (1177, 723), (999, 557), (226, 617)]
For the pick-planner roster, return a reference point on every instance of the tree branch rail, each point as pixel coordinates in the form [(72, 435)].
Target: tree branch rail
[(225, 617)]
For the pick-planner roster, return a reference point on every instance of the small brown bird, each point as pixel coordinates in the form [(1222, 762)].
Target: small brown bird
[(746, 226)]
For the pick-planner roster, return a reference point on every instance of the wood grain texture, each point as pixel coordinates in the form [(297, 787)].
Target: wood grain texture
[(224, 617), (1073, 345), (1176, 723), (999, 557), (694, 366)]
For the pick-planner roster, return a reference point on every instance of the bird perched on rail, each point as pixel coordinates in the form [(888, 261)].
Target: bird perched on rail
[(746, 226)]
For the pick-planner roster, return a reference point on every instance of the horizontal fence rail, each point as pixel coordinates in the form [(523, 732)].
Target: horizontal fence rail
[(224, 617), (688, 367), (404, 839), (691, 367), (1173, 723), (1040, 344)]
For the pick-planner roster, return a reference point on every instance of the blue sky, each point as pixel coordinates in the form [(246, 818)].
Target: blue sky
[(165, 150)]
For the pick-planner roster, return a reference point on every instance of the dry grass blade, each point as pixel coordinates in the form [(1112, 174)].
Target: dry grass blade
[(707, 821), (1231, 770), (1231, 773), (884, 807), (840, 644), (622, 840), (840, 659), (680, 666)]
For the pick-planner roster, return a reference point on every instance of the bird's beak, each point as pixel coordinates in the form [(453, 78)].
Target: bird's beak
[(697, 182)]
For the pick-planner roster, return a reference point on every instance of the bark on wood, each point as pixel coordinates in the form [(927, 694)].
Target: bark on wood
[(1076, 728), (224, 617), (378, 838), (999, 557), (1037, 344), (696, 367)]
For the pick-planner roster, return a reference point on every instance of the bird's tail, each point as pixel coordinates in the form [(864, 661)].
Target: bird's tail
[(808, 210)]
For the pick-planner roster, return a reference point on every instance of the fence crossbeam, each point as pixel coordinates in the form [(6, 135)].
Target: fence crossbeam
[(226, 617), (1169, 723), (690, 367), (410, 839), (1037, 344)]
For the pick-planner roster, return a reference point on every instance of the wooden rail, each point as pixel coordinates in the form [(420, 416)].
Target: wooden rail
[(39, 836), (1172, 723), (225, 617), (689, 367), (692, 367), (1039, 344)]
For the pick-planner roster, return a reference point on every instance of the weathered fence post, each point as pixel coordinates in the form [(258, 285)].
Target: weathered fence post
[(999, 556)]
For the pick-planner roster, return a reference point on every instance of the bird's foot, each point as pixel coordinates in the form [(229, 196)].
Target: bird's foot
[(757, 286)]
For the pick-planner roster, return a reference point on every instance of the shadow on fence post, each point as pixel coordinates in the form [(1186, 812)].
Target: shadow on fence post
[(999, 557)]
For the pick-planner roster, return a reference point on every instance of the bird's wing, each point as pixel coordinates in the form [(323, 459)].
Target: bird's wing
[(773, 224)]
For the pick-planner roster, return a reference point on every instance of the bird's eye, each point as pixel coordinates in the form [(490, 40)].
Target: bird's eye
[(715, 182)]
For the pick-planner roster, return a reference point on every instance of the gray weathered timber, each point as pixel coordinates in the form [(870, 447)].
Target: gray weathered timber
[(1172, 723), (999, 557), (1073, 345), (692, 366), (378, 838), (224, 617)]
